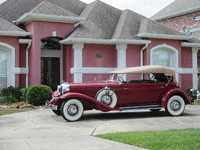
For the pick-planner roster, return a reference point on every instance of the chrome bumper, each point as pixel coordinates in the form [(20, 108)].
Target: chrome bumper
[(53, 107)]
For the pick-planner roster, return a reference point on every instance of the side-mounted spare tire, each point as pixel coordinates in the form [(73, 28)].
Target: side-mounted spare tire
[(107, 96)]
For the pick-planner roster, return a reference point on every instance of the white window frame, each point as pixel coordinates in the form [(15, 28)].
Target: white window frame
[(10, 63)]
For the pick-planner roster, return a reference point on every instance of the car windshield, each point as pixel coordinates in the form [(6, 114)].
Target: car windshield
[(135, 78)]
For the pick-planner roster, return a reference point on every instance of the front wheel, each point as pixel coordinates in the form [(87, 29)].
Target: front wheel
[(72, 110), (175, 106)]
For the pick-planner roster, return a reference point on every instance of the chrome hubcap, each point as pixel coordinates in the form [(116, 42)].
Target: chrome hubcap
[(106, 99), (175, 105), (72, 109)]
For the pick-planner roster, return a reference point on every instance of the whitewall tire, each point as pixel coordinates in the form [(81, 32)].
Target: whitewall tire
[(107, 96), (72, 110), (175, 106)]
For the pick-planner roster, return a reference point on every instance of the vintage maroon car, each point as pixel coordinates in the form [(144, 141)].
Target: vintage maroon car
[(156, 90)]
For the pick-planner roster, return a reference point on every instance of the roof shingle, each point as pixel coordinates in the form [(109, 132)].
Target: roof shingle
[(13, 9), (150, 26), (100, 23), (177, 7), (7, 26), (46, 7)]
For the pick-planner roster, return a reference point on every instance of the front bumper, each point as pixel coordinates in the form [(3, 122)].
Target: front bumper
[(53, 107)]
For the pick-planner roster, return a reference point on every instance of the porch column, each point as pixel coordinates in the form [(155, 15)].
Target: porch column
[(35, 63), (195, 67), (78, 61), (121, 57)]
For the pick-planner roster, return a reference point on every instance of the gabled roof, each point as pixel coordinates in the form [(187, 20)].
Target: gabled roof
[(9, 29), (46, 11), (12, 9), (128, 25), (150, 26), (46, 7), (152, 29), (100, 23), (177, 8), (106, 22)]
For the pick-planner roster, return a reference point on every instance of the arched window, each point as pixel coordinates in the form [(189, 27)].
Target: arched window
[(50, 43), (164, 55), (161, 57), (3, 69)]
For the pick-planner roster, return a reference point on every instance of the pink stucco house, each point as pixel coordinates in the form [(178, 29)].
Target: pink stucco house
[(183, 16), (45, 42)]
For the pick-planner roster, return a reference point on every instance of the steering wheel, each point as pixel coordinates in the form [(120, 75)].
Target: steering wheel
[(120, 79)]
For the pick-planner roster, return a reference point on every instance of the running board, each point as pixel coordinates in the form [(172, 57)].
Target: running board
[(142, 107)]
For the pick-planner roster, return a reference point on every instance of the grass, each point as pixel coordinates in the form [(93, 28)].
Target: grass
[(154, 140), (12, 110)]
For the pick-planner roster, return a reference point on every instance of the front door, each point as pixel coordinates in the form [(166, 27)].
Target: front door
[(50, 72)]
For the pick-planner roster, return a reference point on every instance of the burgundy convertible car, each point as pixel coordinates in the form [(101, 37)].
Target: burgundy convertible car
[(156, 90)]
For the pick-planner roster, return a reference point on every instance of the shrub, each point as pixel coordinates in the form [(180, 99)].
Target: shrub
[(10, 99), (187, 90), (38, 94), (12, 91), (25, 94)]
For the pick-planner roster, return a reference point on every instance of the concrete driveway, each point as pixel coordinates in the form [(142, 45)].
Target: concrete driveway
[(42, 129)]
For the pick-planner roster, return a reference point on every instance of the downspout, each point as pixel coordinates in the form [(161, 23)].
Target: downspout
[(141, 56), (141, 53), (27, 67)]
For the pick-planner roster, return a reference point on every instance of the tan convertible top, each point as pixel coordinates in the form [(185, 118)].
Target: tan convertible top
[(146, 69)]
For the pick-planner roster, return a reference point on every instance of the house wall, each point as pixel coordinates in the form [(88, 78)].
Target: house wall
[(186, 23), (68, 62), (133, 59), (186, 57), (187, 20), (38, 31), (16, 55), (14, 42), (162, 42), (98, 56), (185, 81)]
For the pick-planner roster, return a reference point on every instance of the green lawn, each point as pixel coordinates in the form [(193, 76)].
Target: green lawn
[(154, 140), (10, 111)]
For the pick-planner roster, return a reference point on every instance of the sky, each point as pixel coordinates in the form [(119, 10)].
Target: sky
[(146, 8)]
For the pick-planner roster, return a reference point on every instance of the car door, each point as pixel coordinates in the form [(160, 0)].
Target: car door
[(128, 94), (152, 92)]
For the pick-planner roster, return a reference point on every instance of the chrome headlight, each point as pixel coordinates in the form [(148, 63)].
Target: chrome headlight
[(64, 87)]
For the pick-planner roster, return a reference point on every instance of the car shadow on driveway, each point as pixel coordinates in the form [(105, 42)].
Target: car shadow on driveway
[(128, 115)]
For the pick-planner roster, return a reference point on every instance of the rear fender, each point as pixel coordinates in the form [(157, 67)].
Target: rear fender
[(175, 91), (99, 105)]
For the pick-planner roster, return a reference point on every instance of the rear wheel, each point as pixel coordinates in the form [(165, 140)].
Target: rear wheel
[(72, 110), (175, 106)]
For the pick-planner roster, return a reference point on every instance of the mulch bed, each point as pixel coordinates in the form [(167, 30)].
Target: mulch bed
[(16, 107)]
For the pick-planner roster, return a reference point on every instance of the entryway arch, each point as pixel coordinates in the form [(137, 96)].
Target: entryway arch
[(51, 62)]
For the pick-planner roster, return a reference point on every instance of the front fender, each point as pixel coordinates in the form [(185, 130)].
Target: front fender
[(175, 91), (99, 105)]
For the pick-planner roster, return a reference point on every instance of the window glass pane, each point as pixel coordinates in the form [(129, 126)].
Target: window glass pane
[(3, 69), (161, 58)]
